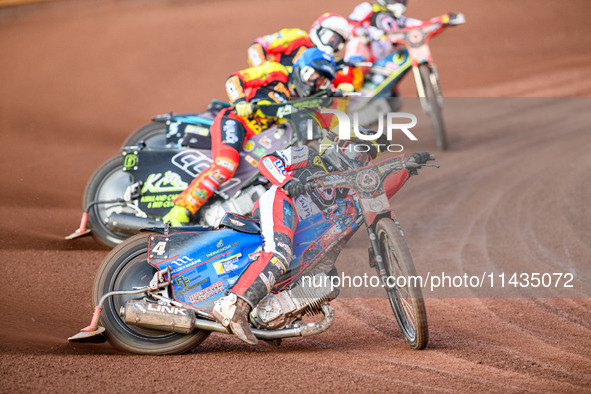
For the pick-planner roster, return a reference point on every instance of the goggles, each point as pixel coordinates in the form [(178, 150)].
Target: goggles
[(331, 38), (313, 78)]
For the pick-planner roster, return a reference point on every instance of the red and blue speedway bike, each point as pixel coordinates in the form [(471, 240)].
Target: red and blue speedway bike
[(383, 76), (154, 293)]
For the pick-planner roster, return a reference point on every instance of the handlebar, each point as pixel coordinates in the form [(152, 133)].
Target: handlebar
[(412, 164)]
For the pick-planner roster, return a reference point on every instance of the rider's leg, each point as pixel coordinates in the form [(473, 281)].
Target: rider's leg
[(277, 223), (227, 137)]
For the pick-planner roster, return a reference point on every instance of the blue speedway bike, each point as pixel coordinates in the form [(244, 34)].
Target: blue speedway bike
[(154, 292)]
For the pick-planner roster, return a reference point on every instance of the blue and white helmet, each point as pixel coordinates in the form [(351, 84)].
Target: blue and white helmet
[(313, 71)]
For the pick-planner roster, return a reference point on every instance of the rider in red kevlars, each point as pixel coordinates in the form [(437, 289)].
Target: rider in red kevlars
[(369, 22), (279, 210), (270, 82), (329, 33)]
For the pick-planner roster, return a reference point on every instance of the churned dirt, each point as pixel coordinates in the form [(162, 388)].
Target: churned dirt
[(512, 195)]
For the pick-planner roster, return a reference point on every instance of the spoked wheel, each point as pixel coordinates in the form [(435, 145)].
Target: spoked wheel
[(126, 268), (153, 134), (108, 183), (407, 302), (433, 98)]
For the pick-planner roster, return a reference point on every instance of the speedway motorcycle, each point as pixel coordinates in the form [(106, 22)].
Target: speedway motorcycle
[(155, 292), (135, 189), (383, 77)]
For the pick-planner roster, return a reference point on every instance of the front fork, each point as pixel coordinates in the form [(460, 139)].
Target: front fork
[(375, 257), (421, 91)]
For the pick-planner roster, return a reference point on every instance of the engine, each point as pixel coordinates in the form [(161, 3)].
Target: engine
[(278, 310), (241, 204)]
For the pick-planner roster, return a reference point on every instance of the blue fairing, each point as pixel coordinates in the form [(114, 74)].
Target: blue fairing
[(203, 264)]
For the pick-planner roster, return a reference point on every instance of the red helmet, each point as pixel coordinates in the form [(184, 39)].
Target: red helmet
[(330, 32)]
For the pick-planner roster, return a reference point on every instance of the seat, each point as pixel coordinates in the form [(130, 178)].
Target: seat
[(241, 223)]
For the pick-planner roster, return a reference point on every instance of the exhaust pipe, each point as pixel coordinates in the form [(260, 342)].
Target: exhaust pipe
[(158, 317), (130, 224), (181, 320)]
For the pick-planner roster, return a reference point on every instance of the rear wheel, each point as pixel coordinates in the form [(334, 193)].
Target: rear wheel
[(153, 134), (126, 268), (108, 183), (406, 302), (431, 86)]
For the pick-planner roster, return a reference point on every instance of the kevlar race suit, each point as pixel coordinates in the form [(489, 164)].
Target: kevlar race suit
[(278, 219), (369, 22), (267, 83)]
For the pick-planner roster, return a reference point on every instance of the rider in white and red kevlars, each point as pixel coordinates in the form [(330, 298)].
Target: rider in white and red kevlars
[(369, 22), (287, 170)]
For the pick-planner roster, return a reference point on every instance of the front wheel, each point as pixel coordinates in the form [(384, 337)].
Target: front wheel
[(406, 301), (127, 268), (431, 86)]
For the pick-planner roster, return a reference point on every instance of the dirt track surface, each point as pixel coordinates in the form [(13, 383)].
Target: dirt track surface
[(512, 193)]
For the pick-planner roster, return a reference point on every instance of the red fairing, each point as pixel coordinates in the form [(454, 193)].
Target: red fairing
[(394, 182)]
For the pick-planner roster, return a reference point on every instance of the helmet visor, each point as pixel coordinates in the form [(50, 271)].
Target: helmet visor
[(331, 38), (314, 79)]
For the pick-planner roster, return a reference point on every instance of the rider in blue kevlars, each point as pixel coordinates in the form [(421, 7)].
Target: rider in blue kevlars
[(278, 211)]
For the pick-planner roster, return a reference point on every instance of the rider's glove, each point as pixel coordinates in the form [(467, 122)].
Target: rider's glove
[(421, 157), (294, 187), (346, 87), (244, 109)]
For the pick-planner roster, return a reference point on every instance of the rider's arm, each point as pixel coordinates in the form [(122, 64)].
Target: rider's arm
[(272, 46), (277, 166), (254, 77)]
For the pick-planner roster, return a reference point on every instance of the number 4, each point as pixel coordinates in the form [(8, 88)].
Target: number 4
[(160, 248)]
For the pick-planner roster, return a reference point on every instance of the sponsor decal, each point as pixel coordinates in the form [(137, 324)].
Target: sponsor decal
[(182, 263), (279, 165), (230, 132), (266, 142), (248, 147), (251, 160), (159, 183), (227, 264), (202, 131), (260, 152), (236, 222), (222, 248), (226, 163), (130, 161), (186, 289), (206, 293), (318, 162)]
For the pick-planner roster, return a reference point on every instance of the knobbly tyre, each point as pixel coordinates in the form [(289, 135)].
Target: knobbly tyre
[(135, 189), (383, 77), (154, 293)]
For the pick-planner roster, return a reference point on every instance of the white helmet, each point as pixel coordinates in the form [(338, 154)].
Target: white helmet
[(330, 32), (396, 7)]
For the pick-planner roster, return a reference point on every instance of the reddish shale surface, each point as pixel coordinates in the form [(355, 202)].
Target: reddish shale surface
[(512, 194)]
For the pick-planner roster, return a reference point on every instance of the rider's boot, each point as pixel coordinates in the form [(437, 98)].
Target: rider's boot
[(232, 312), (177, 216)]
